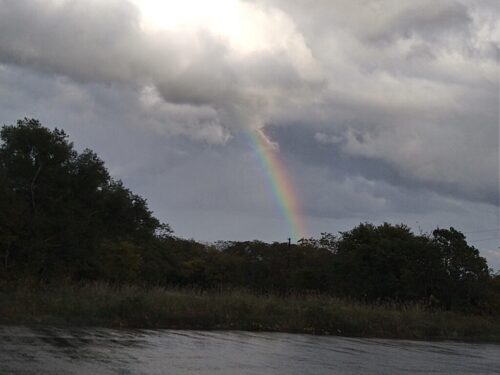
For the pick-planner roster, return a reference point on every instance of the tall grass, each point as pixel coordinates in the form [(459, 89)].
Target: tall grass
[(136, 307)]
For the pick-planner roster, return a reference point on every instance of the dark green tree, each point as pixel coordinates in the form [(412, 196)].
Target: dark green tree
[(61, 211), (63, 216), (466, 271)]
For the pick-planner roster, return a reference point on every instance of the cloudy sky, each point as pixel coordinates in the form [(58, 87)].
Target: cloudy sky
[(380, 110)]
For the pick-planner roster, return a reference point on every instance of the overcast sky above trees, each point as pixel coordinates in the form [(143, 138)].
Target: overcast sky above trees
[(381, 110)]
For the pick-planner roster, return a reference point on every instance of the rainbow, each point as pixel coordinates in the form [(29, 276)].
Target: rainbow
[(280, 182)]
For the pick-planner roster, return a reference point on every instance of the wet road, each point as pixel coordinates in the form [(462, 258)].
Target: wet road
[(106, 351)]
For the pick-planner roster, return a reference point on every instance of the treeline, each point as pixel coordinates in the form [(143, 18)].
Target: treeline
[(64, 217)]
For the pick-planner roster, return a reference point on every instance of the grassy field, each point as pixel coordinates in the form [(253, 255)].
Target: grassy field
[(136, 307)]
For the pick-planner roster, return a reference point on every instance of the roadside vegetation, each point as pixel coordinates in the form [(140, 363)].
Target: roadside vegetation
[(78, 247), (101, 304)]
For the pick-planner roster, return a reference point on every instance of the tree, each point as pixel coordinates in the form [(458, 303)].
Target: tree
[(61, 209), (372, 261), (467, 273)]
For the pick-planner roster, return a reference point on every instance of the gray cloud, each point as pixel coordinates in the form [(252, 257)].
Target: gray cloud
[(382, 109), (103, 41), (425, 101)]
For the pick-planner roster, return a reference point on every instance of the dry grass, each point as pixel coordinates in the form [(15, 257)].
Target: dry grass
[(132, 306)]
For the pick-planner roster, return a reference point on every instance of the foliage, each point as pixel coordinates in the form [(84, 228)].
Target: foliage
[(64, 217), (61, 209), (100, 304), (390, 262)]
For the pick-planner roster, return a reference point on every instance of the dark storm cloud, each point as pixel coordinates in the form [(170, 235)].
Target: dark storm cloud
[(424, 102), (300, 141)]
